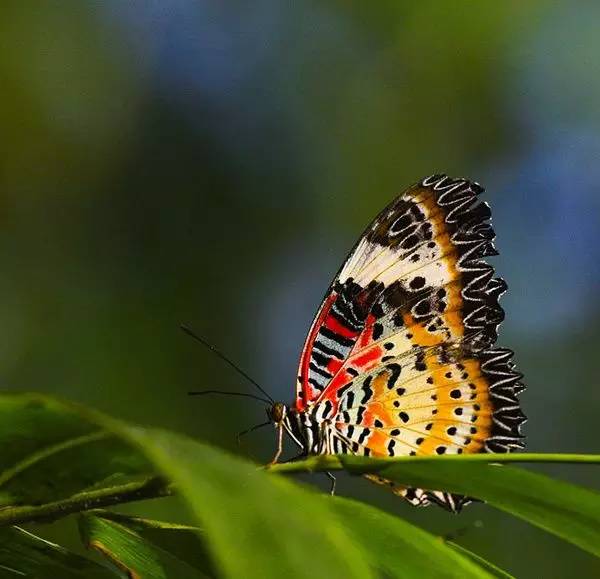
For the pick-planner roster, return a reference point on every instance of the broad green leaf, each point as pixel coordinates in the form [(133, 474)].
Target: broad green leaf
[(399, 549), (145, 548), (49, 453), (567, 510), (25, 555), (258, 525)]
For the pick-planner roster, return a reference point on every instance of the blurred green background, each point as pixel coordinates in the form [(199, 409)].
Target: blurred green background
[(212, 162)]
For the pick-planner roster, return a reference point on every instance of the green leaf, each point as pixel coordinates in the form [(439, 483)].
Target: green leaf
[(25, 555), (184, 541), (256, 524), (49, 453), (567, 510), (415, 552), (145, 548), (494, 570)]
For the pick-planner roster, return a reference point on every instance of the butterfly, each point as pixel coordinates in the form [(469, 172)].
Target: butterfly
[(400, 358)]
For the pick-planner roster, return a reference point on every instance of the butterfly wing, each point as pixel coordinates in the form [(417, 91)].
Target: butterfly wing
[(399, 357), (437, 400)]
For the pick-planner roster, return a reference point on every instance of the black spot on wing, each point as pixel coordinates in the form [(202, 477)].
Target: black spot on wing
[(367, 390)]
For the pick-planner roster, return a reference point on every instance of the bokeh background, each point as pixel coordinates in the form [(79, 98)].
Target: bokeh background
[(212, 162)]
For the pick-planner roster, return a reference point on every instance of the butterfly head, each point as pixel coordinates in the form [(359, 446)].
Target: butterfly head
[(277, 413), (287, 419)]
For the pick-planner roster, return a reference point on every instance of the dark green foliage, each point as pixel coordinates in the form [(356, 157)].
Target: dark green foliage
[(25, 555)]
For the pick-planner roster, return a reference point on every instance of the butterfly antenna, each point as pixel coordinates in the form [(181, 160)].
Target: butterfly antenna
[(227, 393), (223, 357), (249, 430)]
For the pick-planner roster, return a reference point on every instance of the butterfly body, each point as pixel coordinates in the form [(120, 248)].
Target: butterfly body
[(400, 358)]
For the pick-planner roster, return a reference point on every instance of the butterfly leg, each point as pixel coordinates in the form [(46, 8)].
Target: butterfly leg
[(333, 481), (279, 445)]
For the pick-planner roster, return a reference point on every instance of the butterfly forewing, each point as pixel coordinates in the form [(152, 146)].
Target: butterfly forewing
[(400, 359)]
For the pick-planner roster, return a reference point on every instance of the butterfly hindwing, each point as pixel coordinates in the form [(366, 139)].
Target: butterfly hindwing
[(400, 357), (441, 402)]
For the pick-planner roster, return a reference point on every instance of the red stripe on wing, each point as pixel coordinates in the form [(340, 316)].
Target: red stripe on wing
[(369, 359), (336, 326), (307, 392), (367, 334)]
